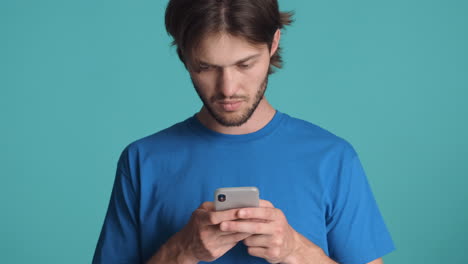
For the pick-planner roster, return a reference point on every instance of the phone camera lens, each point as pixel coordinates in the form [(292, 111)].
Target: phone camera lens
[(221, 197)]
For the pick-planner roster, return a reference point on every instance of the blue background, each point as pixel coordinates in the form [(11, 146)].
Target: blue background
[(79, 80)]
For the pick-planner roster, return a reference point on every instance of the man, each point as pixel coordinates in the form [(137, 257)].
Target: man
[(317, 205)]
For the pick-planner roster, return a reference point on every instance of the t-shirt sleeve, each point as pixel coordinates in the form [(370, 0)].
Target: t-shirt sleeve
[(118, 241), (356, 231)]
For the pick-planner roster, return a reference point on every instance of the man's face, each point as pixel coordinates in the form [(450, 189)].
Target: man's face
[(230, 76)]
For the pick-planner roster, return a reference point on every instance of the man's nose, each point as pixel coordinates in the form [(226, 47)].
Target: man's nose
[(227, 82)]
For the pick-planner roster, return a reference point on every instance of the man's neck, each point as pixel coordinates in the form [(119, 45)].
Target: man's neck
[(259, 119)]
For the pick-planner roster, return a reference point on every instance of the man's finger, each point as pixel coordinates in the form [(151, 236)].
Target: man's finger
[(247, 227), (216, 217), (261, 241), (233, 238), (224, 233), (252, 220), (260, 252), (266, 203), (265, 213), (208, 206)]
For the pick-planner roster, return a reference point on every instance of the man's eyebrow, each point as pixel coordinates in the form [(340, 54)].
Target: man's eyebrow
[(235, 63)]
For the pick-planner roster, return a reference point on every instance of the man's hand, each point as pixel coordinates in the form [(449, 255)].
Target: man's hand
[(272, 237), (201, 239)]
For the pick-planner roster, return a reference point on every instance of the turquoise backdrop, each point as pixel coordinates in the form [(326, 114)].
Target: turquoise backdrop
[(79, 80)]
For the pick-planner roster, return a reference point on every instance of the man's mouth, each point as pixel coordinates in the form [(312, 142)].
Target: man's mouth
[(230, 105)]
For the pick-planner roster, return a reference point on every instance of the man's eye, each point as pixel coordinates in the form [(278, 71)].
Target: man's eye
[(204, 67), (244, 66)]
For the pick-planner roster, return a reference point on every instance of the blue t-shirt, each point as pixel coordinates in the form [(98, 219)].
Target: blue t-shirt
[(313, 176)]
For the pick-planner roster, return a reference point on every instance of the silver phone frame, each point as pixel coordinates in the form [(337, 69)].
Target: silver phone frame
[(237, 197)]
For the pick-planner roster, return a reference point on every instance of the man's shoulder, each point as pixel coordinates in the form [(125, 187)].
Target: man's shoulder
[(299, 125), (168, 137), (304, 128), (313, 135)]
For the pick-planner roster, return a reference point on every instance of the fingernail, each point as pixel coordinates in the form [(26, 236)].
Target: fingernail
[(242, 213)]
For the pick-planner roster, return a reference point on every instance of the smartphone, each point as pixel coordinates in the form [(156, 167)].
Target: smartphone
[(236, 197)]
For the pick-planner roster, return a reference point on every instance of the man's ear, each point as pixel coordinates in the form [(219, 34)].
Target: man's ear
[(275, 42)]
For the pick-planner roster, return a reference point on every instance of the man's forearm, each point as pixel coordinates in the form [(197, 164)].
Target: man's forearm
[(172, 253), (307, 253)]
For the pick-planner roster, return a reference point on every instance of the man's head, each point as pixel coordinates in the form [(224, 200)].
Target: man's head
[(229, 48), (189, 21)]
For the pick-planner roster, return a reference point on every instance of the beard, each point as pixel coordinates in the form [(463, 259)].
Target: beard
[(225, 119)]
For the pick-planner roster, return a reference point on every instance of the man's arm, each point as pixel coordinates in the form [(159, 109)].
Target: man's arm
[(274, 240), (172, 252), (118, 240), (319, 257), (200, 239), (307, 251), (377, 261)]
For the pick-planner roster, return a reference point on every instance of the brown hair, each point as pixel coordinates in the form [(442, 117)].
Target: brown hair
[(187, 21)]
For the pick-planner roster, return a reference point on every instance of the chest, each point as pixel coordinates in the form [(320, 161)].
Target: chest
[(172, 189)]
